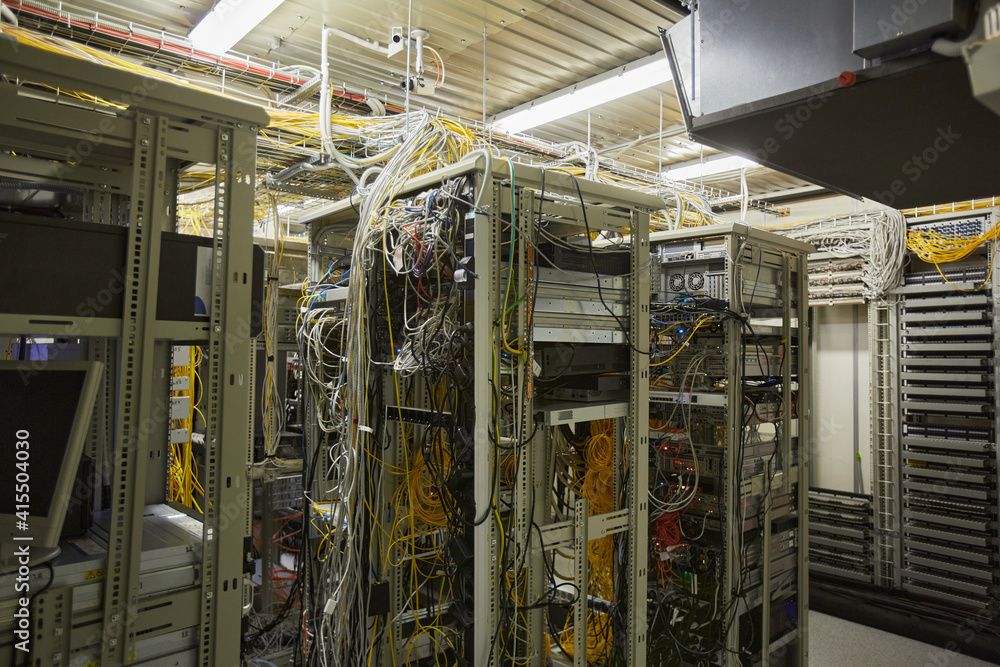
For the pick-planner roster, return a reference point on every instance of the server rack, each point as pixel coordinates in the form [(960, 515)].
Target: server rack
[(933, 426), (580, 298), (933, 538), (947, 409), (122, 154), (729, 500)]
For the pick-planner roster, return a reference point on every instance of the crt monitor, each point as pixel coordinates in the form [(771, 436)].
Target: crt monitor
[(47, 407)]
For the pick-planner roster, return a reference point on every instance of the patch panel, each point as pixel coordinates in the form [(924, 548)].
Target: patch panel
[(948, 412)]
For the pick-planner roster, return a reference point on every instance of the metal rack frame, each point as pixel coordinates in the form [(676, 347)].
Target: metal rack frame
[(628, 518), (883, 341), (788, 258), (887, 340), (126, 161), (948, 421)]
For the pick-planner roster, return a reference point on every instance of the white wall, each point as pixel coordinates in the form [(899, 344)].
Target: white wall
[(841, 386)]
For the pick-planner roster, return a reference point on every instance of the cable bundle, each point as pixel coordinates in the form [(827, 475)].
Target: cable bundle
[(598, 487), (886, 254), (418, 240), (396, 337), (680, 208), (321, 335), (935, 248), (878, 237), (427, 493)]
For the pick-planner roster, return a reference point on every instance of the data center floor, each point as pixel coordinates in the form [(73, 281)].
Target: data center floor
[(834, 642)]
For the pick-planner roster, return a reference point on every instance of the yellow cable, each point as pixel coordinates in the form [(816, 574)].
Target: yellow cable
[(937, 249), (697, 326)]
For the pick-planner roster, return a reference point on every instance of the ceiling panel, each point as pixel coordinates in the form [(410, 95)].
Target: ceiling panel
[(760, 181), (533, 47)]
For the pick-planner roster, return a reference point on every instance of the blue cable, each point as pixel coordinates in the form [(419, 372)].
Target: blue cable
[(329, 269)]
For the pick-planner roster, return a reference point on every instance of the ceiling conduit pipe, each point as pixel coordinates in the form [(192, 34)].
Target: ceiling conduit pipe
[(6, 12), (946, 47), (418, 36), (325, 109)]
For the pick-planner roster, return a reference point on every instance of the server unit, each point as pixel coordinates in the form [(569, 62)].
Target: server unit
[(840, 535)]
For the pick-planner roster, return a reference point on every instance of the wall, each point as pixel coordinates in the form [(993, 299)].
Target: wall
[(841, 387)]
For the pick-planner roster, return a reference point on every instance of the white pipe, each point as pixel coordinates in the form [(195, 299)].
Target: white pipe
[(325, 131), (325, 108), (324, 90), (344, 164), (6, 12), (378, 109), (369, 172), (374, 46), (946, 47), (418, 42)]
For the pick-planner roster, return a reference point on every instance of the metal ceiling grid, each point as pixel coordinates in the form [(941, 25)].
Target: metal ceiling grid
[(533, 47)]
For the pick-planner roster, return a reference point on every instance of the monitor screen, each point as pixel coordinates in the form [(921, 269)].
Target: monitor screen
[(47, 407), (41, 404)]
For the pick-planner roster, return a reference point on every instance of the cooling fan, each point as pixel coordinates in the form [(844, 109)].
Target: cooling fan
[(676, 282), (680, 283)]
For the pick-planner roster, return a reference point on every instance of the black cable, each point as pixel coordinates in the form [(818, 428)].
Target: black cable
[(597, 275), (517, 449), (440, 438), (302, 577)]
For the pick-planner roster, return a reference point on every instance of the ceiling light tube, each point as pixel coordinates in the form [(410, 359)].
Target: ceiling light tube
[(614, 84), (228, 23), (690, 172)]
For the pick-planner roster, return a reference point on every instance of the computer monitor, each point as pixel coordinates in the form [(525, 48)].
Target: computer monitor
[(47, 407)]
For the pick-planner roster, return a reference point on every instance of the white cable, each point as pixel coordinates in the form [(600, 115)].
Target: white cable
[(877, 237), (337, 358)]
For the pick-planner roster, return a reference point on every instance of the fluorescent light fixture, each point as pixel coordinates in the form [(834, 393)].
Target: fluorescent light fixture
[(612, 85), (228, 23), (695, 171)]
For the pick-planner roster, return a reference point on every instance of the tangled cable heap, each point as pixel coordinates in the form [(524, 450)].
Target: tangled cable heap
[(878, 237), (342, 350)]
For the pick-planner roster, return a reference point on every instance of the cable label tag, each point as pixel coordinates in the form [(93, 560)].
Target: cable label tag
[(397, 259)]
